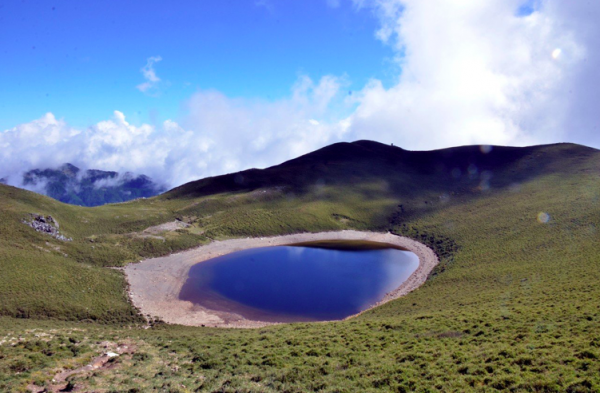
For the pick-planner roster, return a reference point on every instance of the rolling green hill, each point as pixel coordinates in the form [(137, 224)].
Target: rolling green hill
[(514, 304)]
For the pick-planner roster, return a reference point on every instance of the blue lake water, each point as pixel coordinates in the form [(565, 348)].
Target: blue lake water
[(299, 283)]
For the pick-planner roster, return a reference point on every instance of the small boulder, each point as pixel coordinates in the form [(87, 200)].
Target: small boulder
[(46, 225)]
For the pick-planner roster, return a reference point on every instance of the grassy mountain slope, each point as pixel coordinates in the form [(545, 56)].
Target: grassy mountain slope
[(513, 306)]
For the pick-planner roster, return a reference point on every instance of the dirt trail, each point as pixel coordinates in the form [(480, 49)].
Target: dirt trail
[(103, 362), (155, 283)]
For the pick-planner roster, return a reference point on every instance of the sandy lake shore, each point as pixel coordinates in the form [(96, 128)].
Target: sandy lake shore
[(154, 284)]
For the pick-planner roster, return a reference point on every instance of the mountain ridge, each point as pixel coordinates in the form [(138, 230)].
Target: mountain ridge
[(92, 187), (484, 157)]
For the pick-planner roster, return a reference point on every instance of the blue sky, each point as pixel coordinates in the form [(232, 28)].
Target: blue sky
[(180, 90), (82, 60)]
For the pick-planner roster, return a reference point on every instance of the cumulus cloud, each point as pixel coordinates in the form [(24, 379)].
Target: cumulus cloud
[(237, 133), (219, 135), (483, 72), (49, 142), (152, 80), (42, 141)]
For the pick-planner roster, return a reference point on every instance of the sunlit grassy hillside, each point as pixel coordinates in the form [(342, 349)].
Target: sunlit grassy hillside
[(513, 305)]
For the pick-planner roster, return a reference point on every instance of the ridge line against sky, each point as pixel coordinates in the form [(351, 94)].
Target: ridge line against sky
[(421, 74)]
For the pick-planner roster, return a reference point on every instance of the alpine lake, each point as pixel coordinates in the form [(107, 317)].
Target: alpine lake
[(303, 282)]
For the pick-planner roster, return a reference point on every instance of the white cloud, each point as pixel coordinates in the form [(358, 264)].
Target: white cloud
[(218, 135), (109, 145), (240, 133), (27, 145), (266, 4), (152, 80), (477, 72)]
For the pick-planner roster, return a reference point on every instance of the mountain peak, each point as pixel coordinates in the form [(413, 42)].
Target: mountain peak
[(69, 169)]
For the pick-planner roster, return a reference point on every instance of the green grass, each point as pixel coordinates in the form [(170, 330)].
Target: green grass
[(514, 305)]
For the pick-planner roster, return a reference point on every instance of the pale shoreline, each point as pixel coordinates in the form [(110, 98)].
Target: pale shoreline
[(154, 284)]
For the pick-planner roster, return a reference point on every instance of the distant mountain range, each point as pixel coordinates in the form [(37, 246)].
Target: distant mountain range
[(91, 187)]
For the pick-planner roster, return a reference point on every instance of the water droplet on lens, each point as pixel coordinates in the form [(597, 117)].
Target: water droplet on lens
[(543, 217), (485, 149)]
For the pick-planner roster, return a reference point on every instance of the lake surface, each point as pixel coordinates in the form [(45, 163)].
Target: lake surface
[(312, 282)]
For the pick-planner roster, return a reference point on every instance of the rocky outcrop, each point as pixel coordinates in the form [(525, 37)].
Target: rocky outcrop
[(47, 225)]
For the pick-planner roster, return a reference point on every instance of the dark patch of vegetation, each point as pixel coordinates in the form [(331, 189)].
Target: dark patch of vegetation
[(444, 247)]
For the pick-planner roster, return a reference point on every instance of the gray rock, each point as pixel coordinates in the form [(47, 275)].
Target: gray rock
[(47, 225)]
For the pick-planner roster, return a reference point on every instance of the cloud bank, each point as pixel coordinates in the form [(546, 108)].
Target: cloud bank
[(468, 72), (220, 135), (481, 72)]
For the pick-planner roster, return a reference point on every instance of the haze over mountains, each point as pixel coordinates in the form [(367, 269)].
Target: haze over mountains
[(92, 187)]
